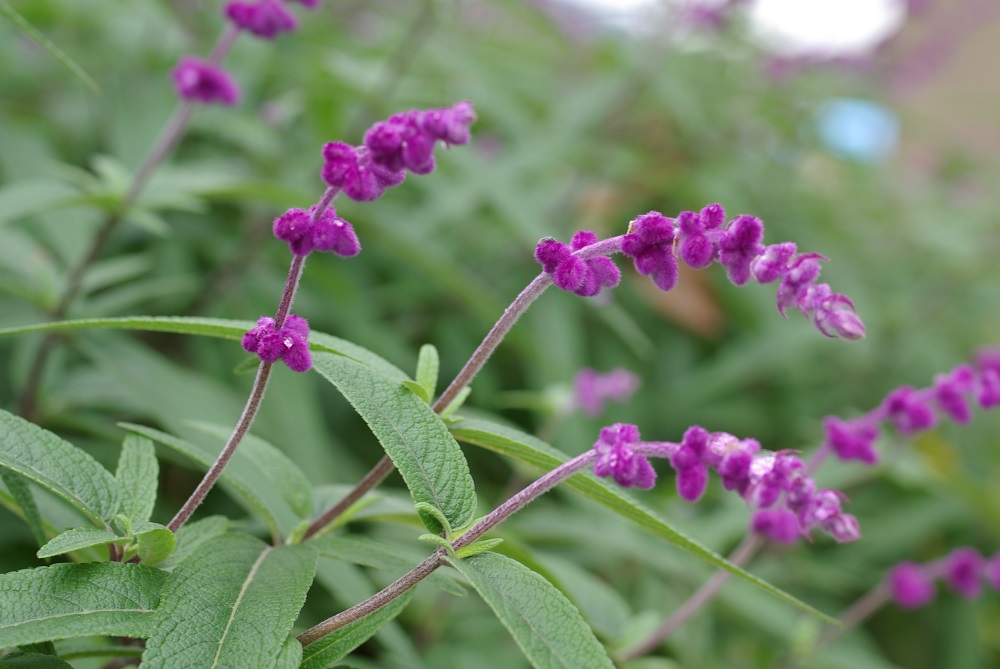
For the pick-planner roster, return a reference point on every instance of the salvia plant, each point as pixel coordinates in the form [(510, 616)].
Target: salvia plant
[(118, 588)]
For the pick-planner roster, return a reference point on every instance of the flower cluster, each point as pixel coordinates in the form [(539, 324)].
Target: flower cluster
[(912, 410), (911, 585), (264, 18), (403, 142), (197, 80), (785, 498), (569, 272), (306, 232), (591, 389), (289, 344)]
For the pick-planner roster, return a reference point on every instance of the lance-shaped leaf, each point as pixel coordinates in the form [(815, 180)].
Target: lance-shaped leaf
[(21, 492), (546, 626), (77, 538), (215, 327), (58, 466), (418, 442), (525, 448), (70, 600), (231, 605), (137, 476), (248, 476), (329, 649)]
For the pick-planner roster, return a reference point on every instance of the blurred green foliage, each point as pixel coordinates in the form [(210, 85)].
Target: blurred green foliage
[(578, 128)]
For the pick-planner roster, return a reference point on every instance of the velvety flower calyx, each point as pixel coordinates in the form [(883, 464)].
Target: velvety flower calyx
[(572, 273), (617, 459), (909, 586), (197, 80), (305, 232), (739, 245), (649, 242), (851, 440), (264, 18), (290, 344)]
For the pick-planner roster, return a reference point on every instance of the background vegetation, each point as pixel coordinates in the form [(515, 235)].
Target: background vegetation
[(579, 127)]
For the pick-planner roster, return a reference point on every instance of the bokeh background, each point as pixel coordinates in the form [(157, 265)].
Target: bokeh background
[(881, 155)]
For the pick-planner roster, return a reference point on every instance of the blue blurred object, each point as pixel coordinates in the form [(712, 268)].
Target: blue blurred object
[(856, 129)]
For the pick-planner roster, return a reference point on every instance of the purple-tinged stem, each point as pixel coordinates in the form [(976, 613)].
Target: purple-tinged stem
[(740, 556), (370, 480), (242, 426), (422, 570), (856, 614)]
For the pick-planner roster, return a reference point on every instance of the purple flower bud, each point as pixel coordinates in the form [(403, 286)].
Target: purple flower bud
[(264, 18), (290, 343), (351, 169), (615, 457), (909, 411), (332, 233), (739, 245), (200, 81), (296, 354), (691, 482), (950, 392), (649, 243), (963, 571), (779, 525), (909, 586), (571, 273), (295, 227), (696, 439), (697, 235), (735, 471), (821, 506), (385, 142), (450, 125), (772, 263), (851, 440), (989, 389), (843, 527), (832, 313), (297, 325), (251, 340), (803, 269)]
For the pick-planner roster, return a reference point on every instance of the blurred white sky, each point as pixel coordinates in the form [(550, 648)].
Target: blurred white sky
[(843, 27)]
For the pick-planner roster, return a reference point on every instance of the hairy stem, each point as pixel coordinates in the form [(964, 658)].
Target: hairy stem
[(740, 556), (242, 426), (377, 474)]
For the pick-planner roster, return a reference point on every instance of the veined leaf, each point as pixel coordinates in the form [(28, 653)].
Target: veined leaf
[(70, 600), (215, 327), (25, 500), (290, 656), (247, 476), (525, 448), (137, 476), (430, 460), (230, 605), (77, 538), (190, 538), (156, 542), (329, 649), (59, 466), (428, 364), (546, 626)]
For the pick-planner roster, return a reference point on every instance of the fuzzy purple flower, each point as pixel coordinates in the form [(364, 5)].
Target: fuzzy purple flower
[(197, 80), (780, 525), (832, 313), (988, 391), (290, 344), (352, 170), (591, 389), (851, 440), (617, 459), (649, 243), (327, 233), (909, 411), (802, 270), (572, 273), (963, 571), (772, 263), (698, 235), (265, 18), (739, 245), (909, 586), (950, 391)]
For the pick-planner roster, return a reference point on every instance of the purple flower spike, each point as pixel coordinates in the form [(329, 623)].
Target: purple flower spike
[(950, 392), (909, 411), (832, 313), (649, 243), (352, 170), (264, 18), (963, 571), (332, 233), (691, 482), (772, 264), (289, 344), (295, 228), (615, 457), (778, 525), (197, 80), (851, 440), (698, 234), (739, 245), (909, 586)]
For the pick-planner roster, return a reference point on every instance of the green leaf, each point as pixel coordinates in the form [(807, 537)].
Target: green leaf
[(230, 605), (289, 480), (456, 403), (156, 542), (21, 491), (190, 538), (369, 552), (32, 661), (215, 327), (329, 649), (525, 448), (22, 24), (477, 547), (70, 600), (417, 390), (137, 476), (424, 452), (77, 538), (290, 656), (546, 626), (428, 364), (248, 476), (57, 466)]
